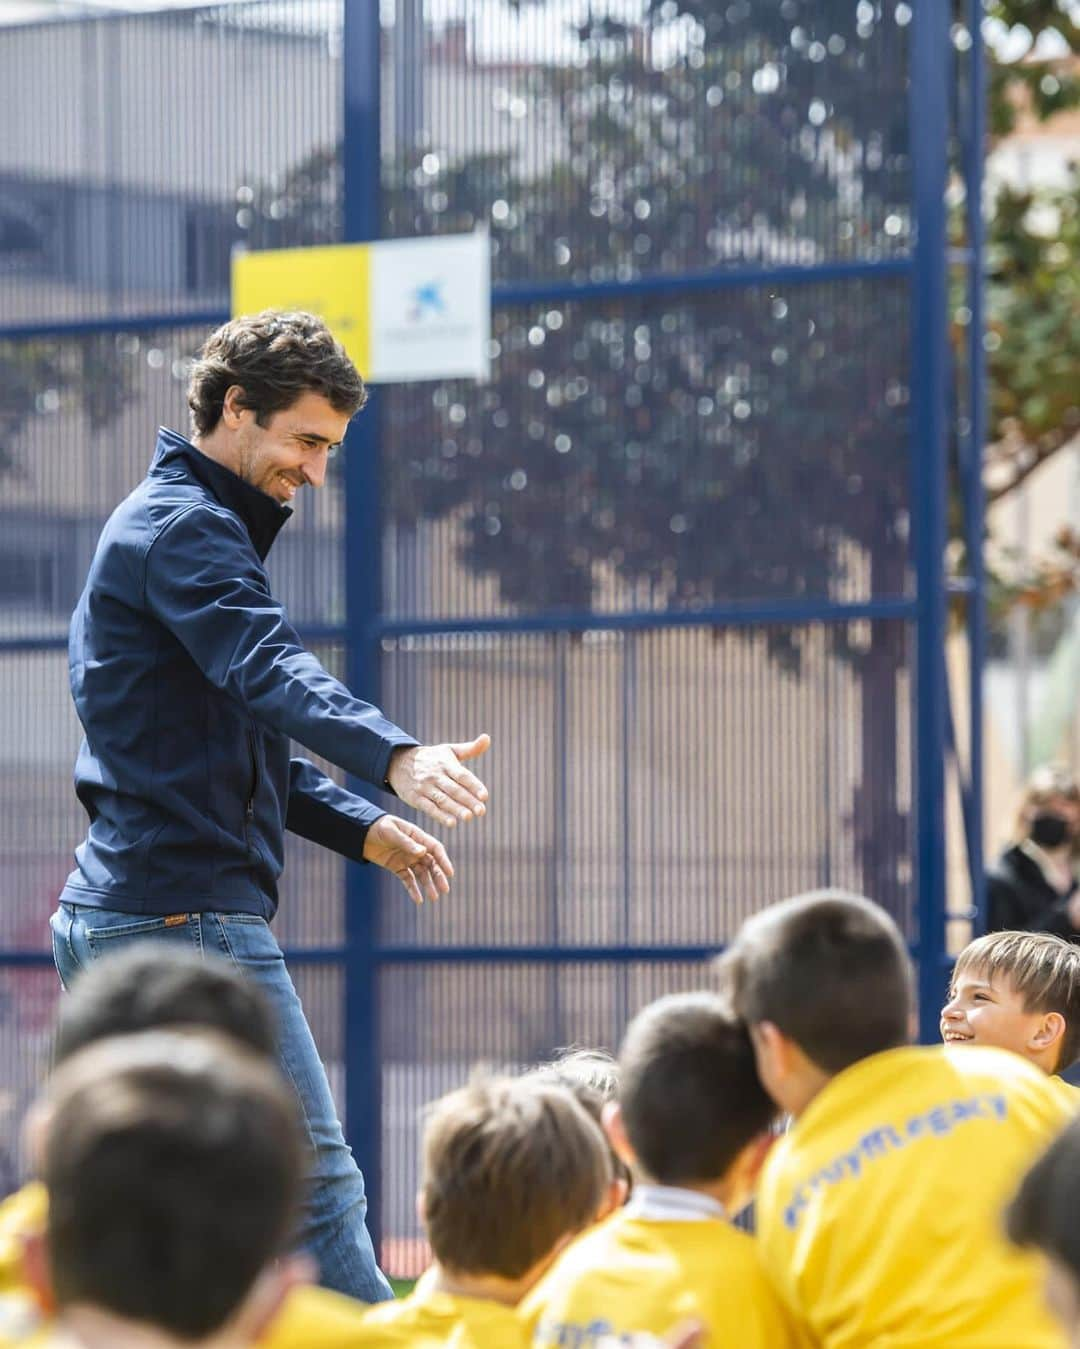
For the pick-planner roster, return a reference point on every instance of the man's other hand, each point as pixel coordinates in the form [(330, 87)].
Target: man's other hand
[(418, 861), (434, 779)]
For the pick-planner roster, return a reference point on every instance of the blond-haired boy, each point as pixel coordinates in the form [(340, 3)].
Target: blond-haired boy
[(692, 1123), (513, 1168), (1018, 991), (591, 1076)]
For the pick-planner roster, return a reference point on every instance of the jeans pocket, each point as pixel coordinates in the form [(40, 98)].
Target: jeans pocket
[(64, 958), (116, 932), (243, 938)]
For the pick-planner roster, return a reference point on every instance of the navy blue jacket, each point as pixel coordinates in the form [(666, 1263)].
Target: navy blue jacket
[(189, 682)]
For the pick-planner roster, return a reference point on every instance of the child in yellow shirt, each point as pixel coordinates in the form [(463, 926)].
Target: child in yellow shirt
[(512, 1169), (1045, 1215), (156, 988), (692, 1124), (1018, 991), (880, 1213), (591, 1076)]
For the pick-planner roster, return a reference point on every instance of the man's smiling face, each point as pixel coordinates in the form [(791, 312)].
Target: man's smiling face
[(292, 449)]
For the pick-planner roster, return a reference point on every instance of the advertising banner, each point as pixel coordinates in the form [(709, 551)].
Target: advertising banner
[(404, 309)]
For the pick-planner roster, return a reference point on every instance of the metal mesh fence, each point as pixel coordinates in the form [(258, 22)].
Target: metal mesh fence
[(603, 140), (640, 454), (178, 136)]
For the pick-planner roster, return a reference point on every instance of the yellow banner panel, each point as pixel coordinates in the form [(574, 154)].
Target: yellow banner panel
[(333, 282)]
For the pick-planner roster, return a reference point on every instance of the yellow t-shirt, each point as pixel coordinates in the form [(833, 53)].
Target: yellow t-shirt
[(635, 1276), (21, 1214), (879, 1216), (432, 1320), (1069, 1094), (310, 1318)]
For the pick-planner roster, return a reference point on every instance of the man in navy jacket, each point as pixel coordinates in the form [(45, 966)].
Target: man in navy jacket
[(190, 684)]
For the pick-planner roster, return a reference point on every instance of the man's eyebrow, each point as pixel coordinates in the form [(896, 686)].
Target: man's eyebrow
[(315, 435)]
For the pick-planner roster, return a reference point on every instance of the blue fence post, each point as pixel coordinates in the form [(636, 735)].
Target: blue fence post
[(929, 131), (363, 599), (974, 505)]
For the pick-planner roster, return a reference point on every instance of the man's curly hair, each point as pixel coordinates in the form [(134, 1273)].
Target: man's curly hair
[(275, 357)]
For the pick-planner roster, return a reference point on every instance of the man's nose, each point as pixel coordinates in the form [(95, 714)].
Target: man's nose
[(314, 468)]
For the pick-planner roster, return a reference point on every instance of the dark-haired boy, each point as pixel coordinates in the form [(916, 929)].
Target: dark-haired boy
[(880, 1213), (513, 1168), (192, 1259), (152, 987), (692, 1123)]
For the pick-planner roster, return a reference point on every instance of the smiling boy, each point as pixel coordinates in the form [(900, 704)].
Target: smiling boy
[(1018, 991)]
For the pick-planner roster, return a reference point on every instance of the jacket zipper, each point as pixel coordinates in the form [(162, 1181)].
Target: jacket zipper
[(249, 809)]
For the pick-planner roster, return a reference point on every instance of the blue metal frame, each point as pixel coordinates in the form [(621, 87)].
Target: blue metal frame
[(363, 598), (975, 505), (753, 614), (929, 130), (519, 293)]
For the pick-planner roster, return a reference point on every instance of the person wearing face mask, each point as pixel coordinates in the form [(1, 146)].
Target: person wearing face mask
[(1033, 885)]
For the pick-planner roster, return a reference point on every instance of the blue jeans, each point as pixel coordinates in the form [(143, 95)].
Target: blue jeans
[(333, 1229)]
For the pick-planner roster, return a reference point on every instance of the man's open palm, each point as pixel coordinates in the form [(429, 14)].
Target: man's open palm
[(418, 861), (434, 779)]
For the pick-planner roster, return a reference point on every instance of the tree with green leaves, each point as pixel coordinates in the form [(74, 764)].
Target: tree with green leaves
[(1033, 284)]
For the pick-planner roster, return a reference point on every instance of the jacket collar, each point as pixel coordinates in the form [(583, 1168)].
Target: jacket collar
[(262, 516)]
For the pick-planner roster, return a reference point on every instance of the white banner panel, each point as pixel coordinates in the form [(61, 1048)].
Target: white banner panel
[(430, 308)]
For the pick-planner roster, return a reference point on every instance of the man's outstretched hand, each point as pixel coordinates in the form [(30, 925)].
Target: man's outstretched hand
[(434, 779), (418, 861)]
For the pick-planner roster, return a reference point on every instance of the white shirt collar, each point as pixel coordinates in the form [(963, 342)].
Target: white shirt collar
[(669, 1203)]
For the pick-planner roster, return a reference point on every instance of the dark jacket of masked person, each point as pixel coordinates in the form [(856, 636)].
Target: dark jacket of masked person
[(1019, 897)]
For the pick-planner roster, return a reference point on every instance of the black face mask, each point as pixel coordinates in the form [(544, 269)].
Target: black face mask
[(1049, 831)]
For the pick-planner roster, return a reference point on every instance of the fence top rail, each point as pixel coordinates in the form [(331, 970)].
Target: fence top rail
[(664, 283)]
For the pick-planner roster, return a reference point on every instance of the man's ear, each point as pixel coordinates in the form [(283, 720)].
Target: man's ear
[(611, 1117), (233, 411)]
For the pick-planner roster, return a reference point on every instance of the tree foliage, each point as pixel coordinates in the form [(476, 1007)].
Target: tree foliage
[(1033, 290)]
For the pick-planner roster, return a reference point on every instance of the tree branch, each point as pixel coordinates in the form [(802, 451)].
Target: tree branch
[(1023, 459)]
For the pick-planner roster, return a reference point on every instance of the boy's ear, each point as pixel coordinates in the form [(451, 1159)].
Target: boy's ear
[(421, 1212), (36, 1270), (35, 1132), (743, 1173), (772, 1048), (1050, 1030), (268, 1295), (617, 1194), (611, 1118)]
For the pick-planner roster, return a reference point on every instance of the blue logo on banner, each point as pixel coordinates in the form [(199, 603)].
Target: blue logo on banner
[(427, 301)]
